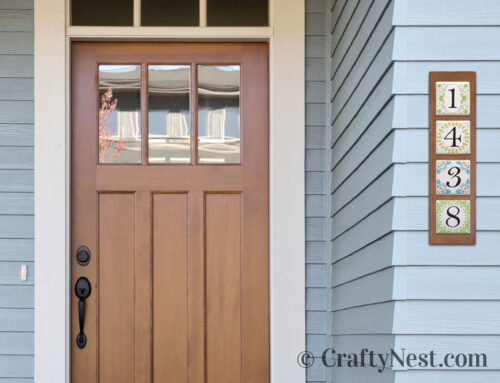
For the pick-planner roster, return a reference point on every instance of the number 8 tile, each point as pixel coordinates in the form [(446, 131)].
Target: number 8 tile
[(452, 217)]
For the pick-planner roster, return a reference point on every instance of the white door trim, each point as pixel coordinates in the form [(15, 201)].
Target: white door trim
[(52, 177)]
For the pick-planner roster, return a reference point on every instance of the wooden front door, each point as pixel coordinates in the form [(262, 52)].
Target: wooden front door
[(170, 213)]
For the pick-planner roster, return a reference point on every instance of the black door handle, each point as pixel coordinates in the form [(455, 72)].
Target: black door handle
[(82, 291)]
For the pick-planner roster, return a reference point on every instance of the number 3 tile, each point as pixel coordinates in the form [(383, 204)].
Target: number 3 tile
[(453, 98), (452, 217), (452, 177), (453, 137)]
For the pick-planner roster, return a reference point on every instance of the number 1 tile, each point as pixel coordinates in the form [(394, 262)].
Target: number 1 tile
[(453, 98)]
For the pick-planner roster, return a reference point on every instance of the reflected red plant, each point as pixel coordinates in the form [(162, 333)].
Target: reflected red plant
[(106, 141)]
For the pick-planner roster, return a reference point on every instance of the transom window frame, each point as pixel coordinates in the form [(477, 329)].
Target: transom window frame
[(203, 12), (52, 178)]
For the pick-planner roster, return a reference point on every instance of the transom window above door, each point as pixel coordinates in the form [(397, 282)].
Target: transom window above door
[(169, 114), (217, 13)]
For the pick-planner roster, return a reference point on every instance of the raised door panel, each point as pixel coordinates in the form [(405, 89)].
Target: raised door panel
[(223, 287), (117, 288), (170, 275)]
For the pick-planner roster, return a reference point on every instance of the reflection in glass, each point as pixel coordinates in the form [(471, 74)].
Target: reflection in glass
[(169, 128), (219, 114), (120, 114)]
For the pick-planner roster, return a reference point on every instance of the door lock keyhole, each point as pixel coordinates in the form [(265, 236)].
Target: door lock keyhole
[(83, 255)]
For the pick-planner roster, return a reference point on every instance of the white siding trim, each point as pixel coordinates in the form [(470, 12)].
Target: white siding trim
[(171, 33), (287, 189), (52, 178), (52, 351)]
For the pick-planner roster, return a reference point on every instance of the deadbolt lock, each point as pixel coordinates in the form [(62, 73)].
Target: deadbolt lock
[(83, 255)]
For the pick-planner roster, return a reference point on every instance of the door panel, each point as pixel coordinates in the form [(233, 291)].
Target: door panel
[(223, 253), (170, 272), (117, 286), (179, 264)]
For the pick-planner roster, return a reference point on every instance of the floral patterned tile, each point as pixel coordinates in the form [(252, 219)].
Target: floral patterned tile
[(453, 137), (452, 217), (453, 98), (453, 177)]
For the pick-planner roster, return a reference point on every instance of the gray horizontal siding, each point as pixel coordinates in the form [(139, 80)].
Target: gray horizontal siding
[(16, 190), (16, 203), (16, 89), (16, 343), (10, 273), (16, 20), (362, 171), (16, 249), (16, 66), (16, 4), (12, 157), (16, 135), (16, 180), (317, 261), (16, 320), (16, 112), (16, 297), (16, 366), (364, 320), (16, 43)]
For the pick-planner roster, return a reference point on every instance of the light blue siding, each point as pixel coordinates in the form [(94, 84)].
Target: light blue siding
[(447, 12), (446, 297), (389, 287), (16, 190)]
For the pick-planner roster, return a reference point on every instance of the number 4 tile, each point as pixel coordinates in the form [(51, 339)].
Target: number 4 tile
[(453, 137), (452, 217), (453, 98)]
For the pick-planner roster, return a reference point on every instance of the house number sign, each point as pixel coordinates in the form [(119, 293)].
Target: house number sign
[(452, 158)]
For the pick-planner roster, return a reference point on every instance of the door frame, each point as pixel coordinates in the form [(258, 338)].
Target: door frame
[(52, 48)]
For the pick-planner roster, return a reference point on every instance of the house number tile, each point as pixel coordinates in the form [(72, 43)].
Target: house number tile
[(452, 158), (453, 217), (453, 137), (453, 177), (453, 98)]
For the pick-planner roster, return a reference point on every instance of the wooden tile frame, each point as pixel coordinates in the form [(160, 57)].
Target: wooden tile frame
[(451, 239)]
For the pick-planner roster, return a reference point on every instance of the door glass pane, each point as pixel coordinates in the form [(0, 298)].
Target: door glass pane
[(98, 12), (238, 13), (120, 114), (170, 13), (169, 123), (219, 114)]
